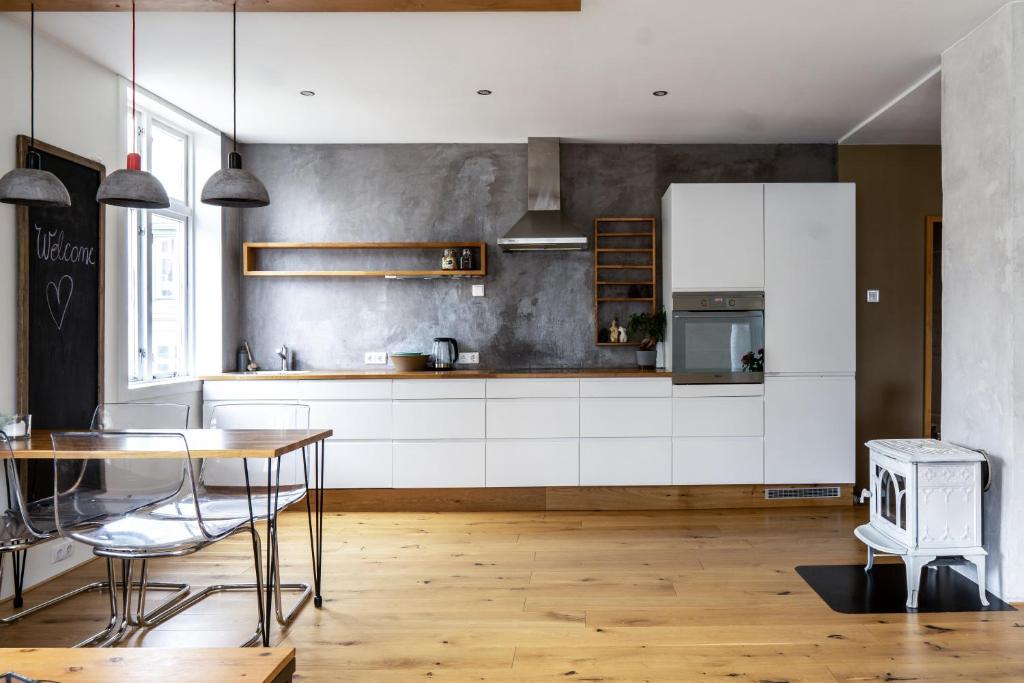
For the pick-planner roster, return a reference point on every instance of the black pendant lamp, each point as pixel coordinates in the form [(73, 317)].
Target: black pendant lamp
[(31, 185), (232, 186), (132, 187)]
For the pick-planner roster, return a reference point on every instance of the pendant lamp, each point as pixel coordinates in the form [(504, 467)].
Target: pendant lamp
[(31, 185), (132, 187), (232, 186)]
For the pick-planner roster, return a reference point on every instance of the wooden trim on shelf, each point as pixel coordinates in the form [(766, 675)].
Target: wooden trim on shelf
[(251, 249), (575, 498), (298, 5)]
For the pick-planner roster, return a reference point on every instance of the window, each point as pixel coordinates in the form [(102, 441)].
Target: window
[(160, 254)]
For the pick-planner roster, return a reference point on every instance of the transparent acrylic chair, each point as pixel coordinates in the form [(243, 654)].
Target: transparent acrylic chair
[(121, 416), (97, 472), (286, 477)]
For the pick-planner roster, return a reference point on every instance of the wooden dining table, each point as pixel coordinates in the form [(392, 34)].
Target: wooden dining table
[(240, 444)]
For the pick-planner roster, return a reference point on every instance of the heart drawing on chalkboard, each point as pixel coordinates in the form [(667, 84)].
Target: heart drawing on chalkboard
[(58, 298)]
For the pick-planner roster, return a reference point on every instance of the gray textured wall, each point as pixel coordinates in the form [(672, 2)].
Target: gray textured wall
[(539, 307), (983, 274)]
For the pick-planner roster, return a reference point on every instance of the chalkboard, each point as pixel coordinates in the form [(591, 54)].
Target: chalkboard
[(60, 289)]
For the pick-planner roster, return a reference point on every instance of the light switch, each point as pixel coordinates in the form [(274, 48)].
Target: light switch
[(874, 295), (478, 290)]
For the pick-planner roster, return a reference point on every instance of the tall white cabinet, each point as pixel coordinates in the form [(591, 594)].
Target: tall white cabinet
[(797, 243)]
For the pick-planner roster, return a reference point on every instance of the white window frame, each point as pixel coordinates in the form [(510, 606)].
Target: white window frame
[(140, 361)]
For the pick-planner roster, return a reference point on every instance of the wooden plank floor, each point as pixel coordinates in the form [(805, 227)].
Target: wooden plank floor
[(612, 596)]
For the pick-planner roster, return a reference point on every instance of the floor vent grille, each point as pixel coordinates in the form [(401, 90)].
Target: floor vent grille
[(818, 492)]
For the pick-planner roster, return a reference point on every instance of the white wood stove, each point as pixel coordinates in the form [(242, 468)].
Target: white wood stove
[(925, 505)]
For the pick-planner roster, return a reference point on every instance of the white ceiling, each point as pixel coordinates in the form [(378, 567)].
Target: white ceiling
[(913, 119), (737, 70)]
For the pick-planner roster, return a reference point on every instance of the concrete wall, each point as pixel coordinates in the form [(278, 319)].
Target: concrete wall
[(983, 273), (538, 308), (897, 188)]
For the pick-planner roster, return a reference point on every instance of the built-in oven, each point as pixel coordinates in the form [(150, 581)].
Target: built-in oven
[(718, 337)]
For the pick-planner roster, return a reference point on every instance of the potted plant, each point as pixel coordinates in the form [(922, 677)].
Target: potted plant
[(650, 329)]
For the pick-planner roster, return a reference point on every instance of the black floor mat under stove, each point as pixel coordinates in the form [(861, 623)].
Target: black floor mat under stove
[(850, 590)]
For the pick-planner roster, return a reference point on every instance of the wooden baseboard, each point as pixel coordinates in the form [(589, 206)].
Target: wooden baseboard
[(570, 498)]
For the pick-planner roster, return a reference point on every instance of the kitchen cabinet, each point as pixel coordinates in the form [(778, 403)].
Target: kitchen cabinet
[(809, 430), (439, 419), (810, 278), (717, 460), (626, 462), (626, 387), (716, 236), (438, 388), (533, 418), (625, 417), (369, 420), (439, 464), (358, 465), (533, 462), (718, 416)]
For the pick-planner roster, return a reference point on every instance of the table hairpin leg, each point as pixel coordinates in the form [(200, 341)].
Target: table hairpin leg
[(315, 521), (264, 626)]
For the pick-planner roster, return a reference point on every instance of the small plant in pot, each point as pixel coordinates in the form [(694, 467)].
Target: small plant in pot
[(650, 329)]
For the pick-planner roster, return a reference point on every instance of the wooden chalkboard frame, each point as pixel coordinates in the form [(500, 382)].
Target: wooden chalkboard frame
[(24, 242)]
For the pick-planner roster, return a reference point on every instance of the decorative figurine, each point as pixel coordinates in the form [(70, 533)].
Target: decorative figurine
[(614, 331), (448, 260), (466, 260)]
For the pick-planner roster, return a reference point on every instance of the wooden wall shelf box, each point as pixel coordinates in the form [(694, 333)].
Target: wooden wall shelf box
[(251, 251), (623, 245)]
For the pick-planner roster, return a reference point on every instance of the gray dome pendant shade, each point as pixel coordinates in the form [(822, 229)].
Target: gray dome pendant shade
[(31, 185), (131, 187), (232, 186)]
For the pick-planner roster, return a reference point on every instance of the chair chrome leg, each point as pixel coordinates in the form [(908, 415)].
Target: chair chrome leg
[(112, 624), (305, 589)]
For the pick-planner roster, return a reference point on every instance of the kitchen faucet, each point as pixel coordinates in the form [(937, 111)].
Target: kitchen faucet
[(285, 355)]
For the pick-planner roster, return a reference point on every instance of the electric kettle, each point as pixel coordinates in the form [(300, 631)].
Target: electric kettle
[(445, 353)]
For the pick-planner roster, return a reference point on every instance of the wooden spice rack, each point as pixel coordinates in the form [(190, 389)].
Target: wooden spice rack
[(252, 250), (625, 272)]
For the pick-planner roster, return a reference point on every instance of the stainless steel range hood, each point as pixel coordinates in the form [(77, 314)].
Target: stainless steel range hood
[(543, 227)]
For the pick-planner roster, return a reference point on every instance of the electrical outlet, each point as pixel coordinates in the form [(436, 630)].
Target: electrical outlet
[(478, 290), (472, 358), (61, 551), (376, 358), (874, 296)]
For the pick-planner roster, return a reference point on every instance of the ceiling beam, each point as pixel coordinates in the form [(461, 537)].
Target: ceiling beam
[(297, 5)]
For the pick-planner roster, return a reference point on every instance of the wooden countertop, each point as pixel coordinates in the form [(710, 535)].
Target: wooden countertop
[(202, 443), (572, 373), (85, 665)]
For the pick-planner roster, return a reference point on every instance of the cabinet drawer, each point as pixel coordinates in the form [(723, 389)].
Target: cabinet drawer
[(453, 419), (718, 416), (249, 390), (439, 464), (533, 418), (625, 462), (626, 387), (437, 388), (357, 464), (614, 417), (367, 389), (352, 419), (533, 462), (533, 388), (709, 390), (718, 460)]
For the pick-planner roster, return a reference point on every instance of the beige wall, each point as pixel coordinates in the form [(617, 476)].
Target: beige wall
[(897, 188)]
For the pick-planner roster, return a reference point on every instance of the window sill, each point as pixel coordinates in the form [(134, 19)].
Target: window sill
[(163, 387)]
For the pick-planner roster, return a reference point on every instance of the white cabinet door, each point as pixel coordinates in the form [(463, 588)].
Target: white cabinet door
[(438, 388), (533, 462), (352, 419), (533, 387), (718, 416), (533, 418), (250, 390), (718, 460), (357, 465), (439, 464), (622, 417), (625, 462), (449, 419), (626, 387), (810, 278), (343, 389), (809, 430), (717, 236)]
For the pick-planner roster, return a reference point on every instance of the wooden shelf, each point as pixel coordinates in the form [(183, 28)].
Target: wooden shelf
[(632, 241), (251, 251)]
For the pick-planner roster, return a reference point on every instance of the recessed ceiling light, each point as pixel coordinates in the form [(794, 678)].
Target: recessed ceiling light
[(660, 93), (483, 92), (306, 93)]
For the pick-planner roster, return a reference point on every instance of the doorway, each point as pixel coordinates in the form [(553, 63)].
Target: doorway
[(932, 426)]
